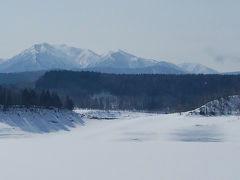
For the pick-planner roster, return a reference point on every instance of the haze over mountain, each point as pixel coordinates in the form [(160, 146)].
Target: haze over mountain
[(1, 60), (44, 56), (232, 73), (197, 68)]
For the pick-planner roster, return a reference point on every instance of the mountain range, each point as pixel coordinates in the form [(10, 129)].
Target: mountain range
[(44, 57)]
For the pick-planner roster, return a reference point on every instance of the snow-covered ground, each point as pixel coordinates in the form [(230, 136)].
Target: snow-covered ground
[(128, 146)]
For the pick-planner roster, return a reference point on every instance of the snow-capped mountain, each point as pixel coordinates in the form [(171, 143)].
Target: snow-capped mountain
[(193, 68), (42, 57), (46, 57)]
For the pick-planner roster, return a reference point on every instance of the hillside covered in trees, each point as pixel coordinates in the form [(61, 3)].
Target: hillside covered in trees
[(20, 78), (166, 93)]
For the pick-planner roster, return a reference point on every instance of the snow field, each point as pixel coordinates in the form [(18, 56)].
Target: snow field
[(135, 146)]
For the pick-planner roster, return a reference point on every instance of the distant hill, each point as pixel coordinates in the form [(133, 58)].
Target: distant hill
[(19, 78)]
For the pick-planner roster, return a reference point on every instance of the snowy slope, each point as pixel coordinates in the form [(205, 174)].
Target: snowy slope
[(160, 68), (197, 68), (121, 59), (223, 106), (36, 120)]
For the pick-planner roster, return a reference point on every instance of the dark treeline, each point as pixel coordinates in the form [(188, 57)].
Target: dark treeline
[(171, 93), (29, 97)]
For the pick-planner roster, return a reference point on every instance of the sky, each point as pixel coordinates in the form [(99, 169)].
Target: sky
[(198, 31)]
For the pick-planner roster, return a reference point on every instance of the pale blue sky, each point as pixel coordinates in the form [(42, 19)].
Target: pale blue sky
[(201, 31)]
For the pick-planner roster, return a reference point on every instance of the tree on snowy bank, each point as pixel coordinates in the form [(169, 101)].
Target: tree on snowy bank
[(29, 97)]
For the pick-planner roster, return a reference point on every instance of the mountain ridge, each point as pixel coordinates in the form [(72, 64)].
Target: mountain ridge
[(45, 56)]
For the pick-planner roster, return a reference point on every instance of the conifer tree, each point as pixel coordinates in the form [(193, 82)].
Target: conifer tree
[(69, 103)]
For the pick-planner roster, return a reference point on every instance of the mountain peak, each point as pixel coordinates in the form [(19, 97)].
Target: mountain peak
[(42, 47), (124, 52), (119, 52), (46, 56), (36, 48)]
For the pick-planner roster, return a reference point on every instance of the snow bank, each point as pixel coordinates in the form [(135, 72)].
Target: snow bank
[(223, 106), (38, 120)]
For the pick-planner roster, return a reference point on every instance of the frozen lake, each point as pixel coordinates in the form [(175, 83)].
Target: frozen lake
[(129, 146)]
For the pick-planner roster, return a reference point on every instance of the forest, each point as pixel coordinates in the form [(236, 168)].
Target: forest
[(28, 98), (165, 93)]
